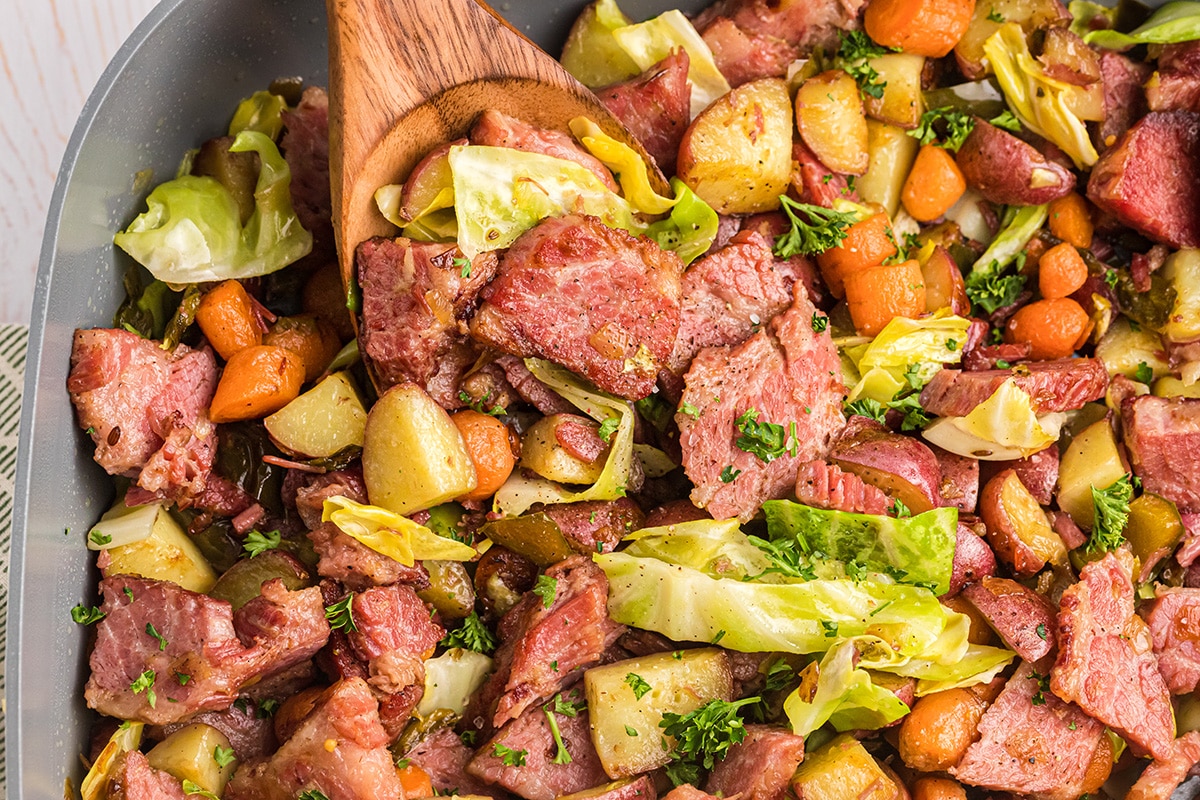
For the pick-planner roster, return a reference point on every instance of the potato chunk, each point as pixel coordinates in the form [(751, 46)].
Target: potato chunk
[(1092, 459), (625, 727), (829, 114), (322, 421), (737, 154), (147, 541), (844, 768), (191, 754)]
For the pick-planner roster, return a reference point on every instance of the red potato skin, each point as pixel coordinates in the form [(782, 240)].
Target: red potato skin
[(1000, 167), (944, 285), (960, 480), (1024, 619), (420, 174), (903, 468), (1001, 532), (1038, 473), (973, 559)]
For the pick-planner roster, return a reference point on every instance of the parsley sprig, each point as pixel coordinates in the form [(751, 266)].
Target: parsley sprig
[(341, 614), (547, 589), (855, 53), (944, 127), (508, 756), (1112, 512), (705, 735), (472, 634), (258, 542), (824, 229), (767, 440)]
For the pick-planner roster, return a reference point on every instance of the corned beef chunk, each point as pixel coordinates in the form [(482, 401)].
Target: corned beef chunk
[(136, 675), (790, 376), (392, 618), (1105, 662), (340, 750), (415, 303), (494, 129), (305, 146), (1031, 742), (823, 485), (1149, 178), (728, 295), (134, 779), (759, 767), (1163, 438), (345, 559), (594, 299), (311, 491), (596, 526), (146, 410), (544, 648), (1174, 621), (444, 756), (539, 778), (814, 182), (805, 24), (1124, 99), (1163, 776), (655, 107), (743, 57), (1062, 385), (1176, 86), (1024, 619)]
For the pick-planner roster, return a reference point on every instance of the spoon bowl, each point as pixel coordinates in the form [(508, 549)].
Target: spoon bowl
[(408, 75)]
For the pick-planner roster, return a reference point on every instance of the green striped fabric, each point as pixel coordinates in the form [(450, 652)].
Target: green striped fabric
[(13, 341)]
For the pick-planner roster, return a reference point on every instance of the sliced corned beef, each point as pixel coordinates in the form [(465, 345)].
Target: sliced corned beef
[(1031, 742), (1163, 437), (1175, 85), (544, 648), (1024, 619), (136, 674), (1148, 179), (594, 299), (358, 566), (1105, 662), (673, 513), (989, 356), (791, 376), (1124, 99), (444, 756), (823, 485), (340, 750), (639, 788), (250, 734), (494, 129), (398, 679), (132, 778), (539, 778), (1174, 620), (743, 57), (1061, 385), (1163, 776), (146, 410), (596, 526), (305, 146), (655, 107), (390, 618), (728, 295), (803, 23), (415, 303), (759, 767)]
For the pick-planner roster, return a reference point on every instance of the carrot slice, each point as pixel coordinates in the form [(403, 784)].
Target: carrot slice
[(933, 185), (878, 294), (1052, 327), (923, 27), (867, 243), (257, 381), (488, 445), (1061, 270), (227, 318), (1071, 220)]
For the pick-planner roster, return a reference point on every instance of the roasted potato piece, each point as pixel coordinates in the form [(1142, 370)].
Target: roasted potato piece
[(413, 455), (973, 559), (1024, 619), (678, 682), (1017, 527), (1182, 269), (843, 768), (899, 465), (1092, 459), (311, 338), (1123, 350), (147, 541), (944, 285), (321, 422), (501, 577), (1006, 170), (990, 15), (542, 452), (902, 103), (891, 152), (190, 755), (737, 154), (829, 115)]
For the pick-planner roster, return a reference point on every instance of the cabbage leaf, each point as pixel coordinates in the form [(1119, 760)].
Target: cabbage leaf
[(915, 550), (125, 739), (651, 41), (191, 231), (929, 343), (392, 534), (624, 162), (979, 664), (520, 492), (262, 112), (1039, 101), (499, 193), (691, 227), (1001, 428), (591, 53), (1024, 223), (845, 697), (1173, 23)]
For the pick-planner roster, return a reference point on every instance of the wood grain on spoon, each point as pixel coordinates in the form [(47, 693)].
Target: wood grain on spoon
[(408, 75)]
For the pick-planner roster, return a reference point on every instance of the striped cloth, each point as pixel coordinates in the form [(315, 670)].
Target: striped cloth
[(13, 341)]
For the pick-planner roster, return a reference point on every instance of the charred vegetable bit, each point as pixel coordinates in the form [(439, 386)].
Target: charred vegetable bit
[(1112, 512)]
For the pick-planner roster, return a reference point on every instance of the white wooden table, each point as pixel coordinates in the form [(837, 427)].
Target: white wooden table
[(51, 54)]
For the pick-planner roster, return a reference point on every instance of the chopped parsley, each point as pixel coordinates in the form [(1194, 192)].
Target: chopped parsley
[(952, 345), (257, 542), (855, 51), (312, 794), (192, 788), (341, 614), (1112, 512), (472, 634), (1007, 121), (704, 735), (779, 675), (630, 731), (820, 322), (1143, 373), (86, 616), (944, 127), (865, 407), (145, 683), (1041, 631), (99, 538), (785, 558), (729, 474), (830, 628), (266, 708), (478, 405), (995, 16), (638, 684), (991, 291), (763, 439), (182, 679), (509, 757), (689, 410), (720, 635), (608, 428), (1043, 681), (825, 229), (224, 756), (162, 642), (562, 755), (546, 588), (898, 509), (464, 266)]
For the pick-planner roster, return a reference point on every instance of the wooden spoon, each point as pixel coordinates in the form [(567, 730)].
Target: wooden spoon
[(408, 75)]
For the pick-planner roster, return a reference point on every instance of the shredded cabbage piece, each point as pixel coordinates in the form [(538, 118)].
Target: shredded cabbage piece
[(1038, 100), (1001, 428), (451, 679), (1172, 23), (651, 41), (930, 343), (691, 227), (125, 739), (262, 112), (845, 697), (624, 162), (392, 534)]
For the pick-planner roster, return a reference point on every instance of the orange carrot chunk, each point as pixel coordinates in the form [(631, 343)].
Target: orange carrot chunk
[(488, 445), (1071, 221), (1051, 327), (414, 782), (312, 339), (925, 27), (227, 318), (878, 294), (257, 381), (933, 185), (867, 244), (1061, 271)]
